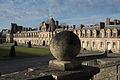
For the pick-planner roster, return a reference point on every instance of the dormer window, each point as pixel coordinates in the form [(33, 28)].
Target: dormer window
[(83, 35), (114, 35), (94, 35), (102, 33), (114, 32), (108, 35), (88, 35)]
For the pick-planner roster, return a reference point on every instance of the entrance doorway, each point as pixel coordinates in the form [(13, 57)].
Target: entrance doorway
[(43, 43), (108, 46)]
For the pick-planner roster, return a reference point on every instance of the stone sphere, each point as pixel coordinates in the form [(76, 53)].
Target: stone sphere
[(65, 46)]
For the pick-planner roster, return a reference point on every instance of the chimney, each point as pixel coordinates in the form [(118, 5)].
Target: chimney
[(67, 27), (40, 28), (26, 29), (30, 29), (118, 22), (43, 23), (56, 23), (115, 22), (63, 27), (102, 25), (20, 29), (74, 26), (81, 26), (108, 21)]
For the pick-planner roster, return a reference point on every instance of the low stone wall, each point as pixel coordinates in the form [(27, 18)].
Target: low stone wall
[(109, 68), (45, 73), (109, 73)]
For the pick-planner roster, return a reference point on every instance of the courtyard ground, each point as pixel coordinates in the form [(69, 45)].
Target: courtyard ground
[(10, 66), (26, 57), (18, 64), (33, 57)]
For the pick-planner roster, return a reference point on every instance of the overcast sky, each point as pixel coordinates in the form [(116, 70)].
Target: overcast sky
[(30, 13)]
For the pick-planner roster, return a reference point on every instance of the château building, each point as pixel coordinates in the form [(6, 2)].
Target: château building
[(96, 37), (41, 36)]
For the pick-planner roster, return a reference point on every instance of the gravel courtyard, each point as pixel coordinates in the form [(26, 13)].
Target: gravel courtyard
[(11, 66), (22, 64)]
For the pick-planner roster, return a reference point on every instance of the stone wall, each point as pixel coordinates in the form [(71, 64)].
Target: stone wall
[(109, 70), (109, 73)]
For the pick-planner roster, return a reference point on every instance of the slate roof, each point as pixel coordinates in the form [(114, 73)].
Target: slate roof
[(91, 28), (30, 31), (112, 27)]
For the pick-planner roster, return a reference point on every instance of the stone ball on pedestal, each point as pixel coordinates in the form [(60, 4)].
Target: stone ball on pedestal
[(65, 46)]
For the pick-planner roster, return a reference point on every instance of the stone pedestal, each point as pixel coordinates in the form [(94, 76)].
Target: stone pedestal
[(64, 65)]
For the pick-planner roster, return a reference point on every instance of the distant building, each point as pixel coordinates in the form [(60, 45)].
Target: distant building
[(41, 36), (101, 36), (94, 37), (3, 34)]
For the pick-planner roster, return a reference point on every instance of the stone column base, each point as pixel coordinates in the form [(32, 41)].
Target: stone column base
[(64, 65)]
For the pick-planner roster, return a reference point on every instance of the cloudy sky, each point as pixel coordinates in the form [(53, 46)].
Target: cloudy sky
[(32, 12)]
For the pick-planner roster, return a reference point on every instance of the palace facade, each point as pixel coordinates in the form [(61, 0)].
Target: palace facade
[(94, 37)]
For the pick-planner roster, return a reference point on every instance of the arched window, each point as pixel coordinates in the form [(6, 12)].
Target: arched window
[(114, 33), (102, 33), (88, 33), (83, 33), (108, 33), (94, 33)]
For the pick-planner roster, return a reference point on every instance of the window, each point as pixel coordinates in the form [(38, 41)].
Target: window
[(83, 35), (93, 44), (40, 35), (114, 45), (102, 35), (32, 34), (40, 41), (47, 41), (88, 35), (108, 45), (47, 35), (114, 34), (87, 43), (29, 34), (83, 44), (94, 35), (43, 35), (108, 35), (101, 44)]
